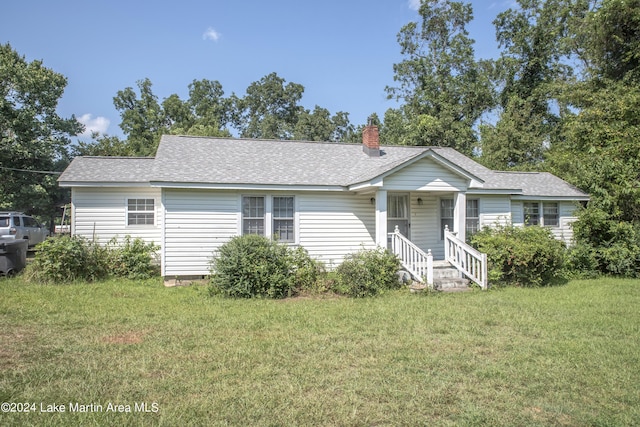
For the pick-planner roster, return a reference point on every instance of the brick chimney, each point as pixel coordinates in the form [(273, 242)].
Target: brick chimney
[(371, 139)]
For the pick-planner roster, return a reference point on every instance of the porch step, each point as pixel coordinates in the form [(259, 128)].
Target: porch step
[(446, 278), (444, 270), (451, 285)]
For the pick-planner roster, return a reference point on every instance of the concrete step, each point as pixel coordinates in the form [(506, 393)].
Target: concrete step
[(444, 270), (445, 273), (451, 284), (446, 278)]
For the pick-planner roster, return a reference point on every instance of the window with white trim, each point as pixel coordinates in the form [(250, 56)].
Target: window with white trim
[(283, 218), (446, 215), (472, 224), (140, 212), (531, 211), (545, 214), (253, 215), (550, 214), (397, 206)]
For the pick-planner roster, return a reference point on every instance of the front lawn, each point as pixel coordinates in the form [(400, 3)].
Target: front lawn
[(567, 355)]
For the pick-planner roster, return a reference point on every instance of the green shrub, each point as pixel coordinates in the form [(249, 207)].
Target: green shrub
[(522, 256), (252, 266), (613, 245), (581, 262), (368, 273), (65, 259), (308, 273), (133, 258)]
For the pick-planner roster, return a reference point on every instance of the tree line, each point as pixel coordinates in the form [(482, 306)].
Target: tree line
[(562, 96)]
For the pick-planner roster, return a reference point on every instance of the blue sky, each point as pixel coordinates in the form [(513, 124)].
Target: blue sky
[(341, 51)]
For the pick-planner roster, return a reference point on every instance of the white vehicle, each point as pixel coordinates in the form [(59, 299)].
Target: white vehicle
[(17, 225)]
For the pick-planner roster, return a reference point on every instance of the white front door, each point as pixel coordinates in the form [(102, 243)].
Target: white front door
[(398, 213)]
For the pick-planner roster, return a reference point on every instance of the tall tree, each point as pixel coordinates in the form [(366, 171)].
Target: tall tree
[(601, 138), (612, 40), (33, 137), (143, 119), (536, 38), (270, 109), (444, 89), (206, 113), (319, 125), (102, 145)]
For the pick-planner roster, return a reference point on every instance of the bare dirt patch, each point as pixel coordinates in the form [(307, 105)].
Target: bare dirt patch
[(131, 337)]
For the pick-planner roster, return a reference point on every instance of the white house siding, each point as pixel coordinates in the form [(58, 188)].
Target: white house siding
[(425, 222), (425, 175), (494, 209), (332, 225), (567, 212), (101, 213), (197, 224)]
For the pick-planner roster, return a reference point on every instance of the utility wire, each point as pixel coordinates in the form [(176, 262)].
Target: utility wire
[(32, 171)]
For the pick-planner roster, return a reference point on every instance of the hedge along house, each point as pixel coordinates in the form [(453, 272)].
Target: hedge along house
[(330, 198)]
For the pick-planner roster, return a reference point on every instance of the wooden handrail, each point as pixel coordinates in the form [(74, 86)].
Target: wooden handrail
[(466, 259), (418, 263)]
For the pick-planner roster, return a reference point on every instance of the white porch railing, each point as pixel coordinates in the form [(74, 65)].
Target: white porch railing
[(418, 263), (466, 259)]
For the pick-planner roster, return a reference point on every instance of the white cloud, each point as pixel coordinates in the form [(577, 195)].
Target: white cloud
[(211, 34), (99, 124), (414, 4)]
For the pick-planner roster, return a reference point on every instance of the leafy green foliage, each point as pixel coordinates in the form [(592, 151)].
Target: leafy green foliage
[(444, 89), (33, 137), (66, 259), (521, 256), (307, 272), (253, 266), (606, 245), (612, 40), (132, 258), (537, 40), (368, 273)]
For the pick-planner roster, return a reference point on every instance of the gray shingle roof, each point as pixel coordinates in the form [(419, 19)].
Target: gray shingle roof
[(200, 160), (108, 169), (243, 161)]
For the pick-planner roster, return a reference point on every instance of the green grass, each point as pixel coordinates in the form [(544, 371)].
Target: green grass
[(566, 355)]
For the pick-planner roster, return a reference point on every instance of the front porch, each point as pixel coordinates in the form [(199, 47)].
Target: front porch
[(420, 226), (469, 263), (421, 217)]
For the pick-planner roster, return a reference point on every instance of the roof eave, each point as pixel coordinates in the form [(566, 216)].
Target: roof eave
[(103, 184), (246, 186), (567, 198)]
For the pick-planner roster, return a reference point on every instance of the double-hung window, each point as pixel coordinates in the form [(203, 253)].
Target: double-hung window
[(272, 217), (473, 217), (550, 214), (531, 212), (140, 212), (544, 214), (253, 215), (283, 219), (446, 215)]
